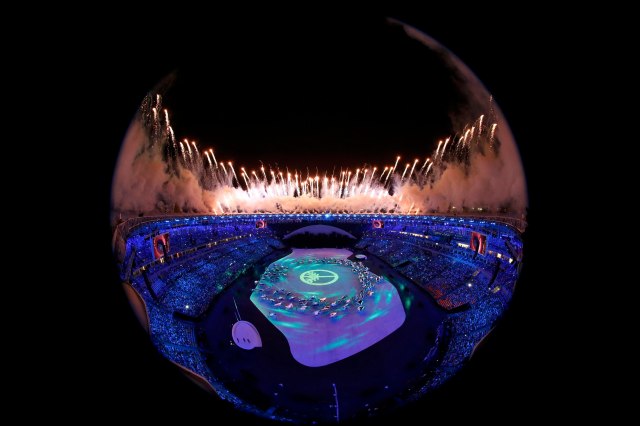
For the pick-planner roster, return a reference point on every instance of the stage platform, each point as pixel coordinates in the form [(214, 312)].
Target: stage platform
[(327, 307)]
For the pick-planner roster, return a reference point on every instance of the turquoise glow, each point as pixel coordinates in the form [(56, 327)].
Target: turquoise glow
[(335, 344), (342, 319), (286, 324)]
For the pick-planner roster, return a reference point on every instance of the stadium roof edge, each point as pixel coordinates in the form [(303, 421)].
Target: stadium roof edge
[(127, 226)]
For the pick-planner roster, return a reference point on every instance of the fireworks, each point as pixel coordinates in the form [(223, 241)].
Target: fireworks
[(213, 175)]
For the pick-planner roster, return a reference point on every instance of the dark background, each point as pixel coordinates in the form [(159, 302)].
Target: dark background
[(338, 93), (115, 366)]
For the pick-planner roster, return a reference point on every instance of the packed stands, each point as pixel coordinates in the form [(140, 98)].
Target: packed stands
[(205, 255)]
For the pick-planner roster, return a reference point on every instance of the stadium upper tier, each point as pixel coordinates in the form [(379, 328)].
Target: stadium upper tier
[(186, 229)]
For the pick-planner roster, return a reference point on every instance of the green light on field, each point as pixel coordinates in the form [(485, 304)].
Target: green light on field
[(375, 315), (286, 324), (334, 344), (407, 304)]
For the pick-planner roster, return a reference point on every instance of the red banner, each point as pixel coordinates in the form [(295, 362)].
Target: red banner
[(478, 242), (160, 245)]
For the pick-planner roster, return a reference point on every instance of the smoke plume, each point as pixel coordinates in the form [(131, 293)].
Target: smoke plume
[(477, 168)]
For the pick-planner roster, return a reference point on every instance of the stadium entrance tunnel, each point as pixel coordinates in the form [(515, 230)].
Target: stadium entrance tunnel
[(319, 235)]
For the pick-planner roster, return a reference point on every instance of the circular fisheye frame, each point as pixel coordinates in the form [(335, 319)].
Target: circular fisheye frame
[(332, 255)]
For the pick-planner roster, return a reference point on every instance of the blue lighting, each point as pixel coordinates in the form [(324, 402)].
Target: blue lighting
[(208, 255)]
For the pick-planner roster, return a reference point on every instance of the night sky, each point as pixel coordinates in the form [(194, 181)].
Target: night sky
[(276, 84), (308, 93), (363, 92)]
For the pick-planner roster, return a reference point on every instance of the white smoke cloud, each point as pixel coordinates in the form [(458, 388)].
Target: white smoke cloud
[(490, 183), (143, 184)]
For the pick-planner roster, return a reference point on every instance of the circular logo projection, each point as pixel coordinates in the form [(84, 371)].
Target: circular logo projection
[(318, 277)]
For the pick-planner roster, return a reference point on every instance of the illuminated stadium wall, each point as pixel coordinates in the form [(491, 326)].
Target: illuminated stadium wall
[(192, 231)]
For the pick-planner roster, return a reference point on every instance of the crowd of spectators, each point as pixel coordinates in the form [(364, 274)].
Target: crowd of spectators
[(191, 285), (189, 358), (194, 361), (164, 327), (183, 238), (187, 285), (463, 331), (455, 276)]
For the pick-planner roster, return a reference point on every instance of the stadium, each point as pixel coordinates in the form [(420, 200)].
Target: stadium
[(318, 317), (320, 244)]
